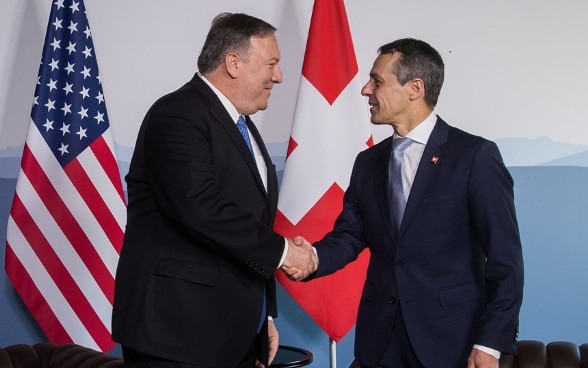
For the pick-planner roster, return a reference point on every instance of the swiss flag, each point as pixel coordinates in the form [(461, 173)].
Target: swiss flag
[(331, 125)]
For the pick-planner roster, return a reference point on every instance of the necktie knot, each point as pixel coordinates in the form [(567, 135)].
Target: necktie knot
[(400, 144), (242, 126)]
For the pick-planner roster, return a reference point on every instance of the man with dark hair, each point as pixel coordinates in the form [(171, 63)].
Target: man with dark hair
[(195, 282), (435, 206)]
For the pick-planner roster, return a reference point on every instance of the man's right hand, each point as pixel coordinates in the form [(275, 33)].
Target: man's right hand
[(301, 260)]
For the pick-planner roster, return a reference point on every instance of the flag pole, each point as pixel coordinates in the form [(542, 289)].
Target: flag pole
[(333, 353)]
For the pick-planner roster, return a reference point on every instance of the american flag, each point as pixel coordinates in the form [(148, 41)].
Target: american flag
[(67, 218)]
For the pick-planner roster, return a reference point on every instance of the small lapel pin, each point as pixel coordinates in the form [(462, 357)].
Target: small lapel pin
[(434, 160)]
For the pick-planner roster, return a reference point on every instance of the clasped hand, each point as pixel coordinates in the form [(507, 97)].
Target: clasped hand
[(301, 260)]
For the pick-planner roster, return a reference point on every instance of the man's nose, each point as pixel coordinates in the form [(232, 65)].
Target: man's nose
[(278, 76)]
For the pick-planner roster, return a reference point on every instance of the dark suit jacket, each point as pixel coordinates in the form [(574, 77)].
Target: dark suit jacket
[(199, 248), (455, 266)]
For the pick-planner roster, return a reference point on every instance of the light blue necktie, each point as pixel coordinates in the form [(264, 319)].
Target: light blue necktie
[(242, 126), (398, 197)]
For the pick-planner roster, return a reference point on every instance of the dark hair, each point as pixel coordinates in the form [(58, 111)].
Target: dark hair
[(230, 33), (417, 60)]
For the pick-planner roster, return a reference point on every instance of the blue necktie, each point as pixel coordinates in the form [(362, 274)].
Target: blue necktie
[(398, 197), (242, 126)]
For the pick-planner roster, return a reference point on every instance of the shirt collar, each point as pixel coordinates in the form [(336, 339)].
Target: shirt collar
[(422, 132), (228, 105)]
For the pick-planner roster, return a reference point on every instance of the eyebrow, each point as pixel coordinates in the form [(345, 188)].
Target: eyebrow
[(375, 76)]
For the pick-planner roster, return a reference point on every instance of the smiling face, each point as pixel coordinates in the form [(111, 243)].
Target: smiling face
[(389, 100), (260, 71)]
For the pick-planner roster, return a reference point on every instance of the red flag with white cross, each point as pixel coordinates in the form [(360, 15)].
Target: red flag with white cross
[(331, 126)]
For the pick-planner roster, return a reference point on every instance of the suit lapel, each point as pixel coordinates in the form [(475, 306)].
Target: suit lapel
[(218, 111), (382, 186), (272, 179), (426, 171), (223, 118)]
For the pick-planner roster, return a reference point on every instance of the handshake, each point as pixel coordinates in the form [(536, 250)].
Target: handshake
[(301, 260)]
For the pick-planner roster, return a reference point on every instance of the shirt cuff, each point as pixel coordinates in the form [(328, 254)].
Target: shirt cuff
[(494, 353), (284, 253)]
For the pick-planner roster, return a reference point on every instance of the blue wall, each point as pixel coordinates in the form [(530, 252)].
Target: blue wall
[(552, 207)]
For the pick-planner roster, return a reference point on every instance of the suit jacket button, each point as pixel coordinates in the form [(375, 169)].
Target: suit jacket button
[(399, 264), (392, 300)]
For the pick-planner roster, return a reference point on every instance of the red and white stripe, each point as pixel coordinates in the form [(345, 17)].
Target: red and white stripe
[(64, 236)]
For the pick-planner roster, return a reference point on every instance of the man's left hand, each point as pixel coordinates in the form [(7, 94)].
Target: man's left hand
[(273, 341), (480, 359)]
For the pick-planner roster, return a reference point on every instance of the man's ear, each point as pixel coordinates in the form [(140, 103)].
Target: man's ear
[(232, 64), (417, 89)]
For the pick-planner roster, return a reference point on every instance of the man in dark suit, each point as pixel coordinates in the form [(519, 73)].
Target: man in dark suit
[(445, 279), (195, 285)]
